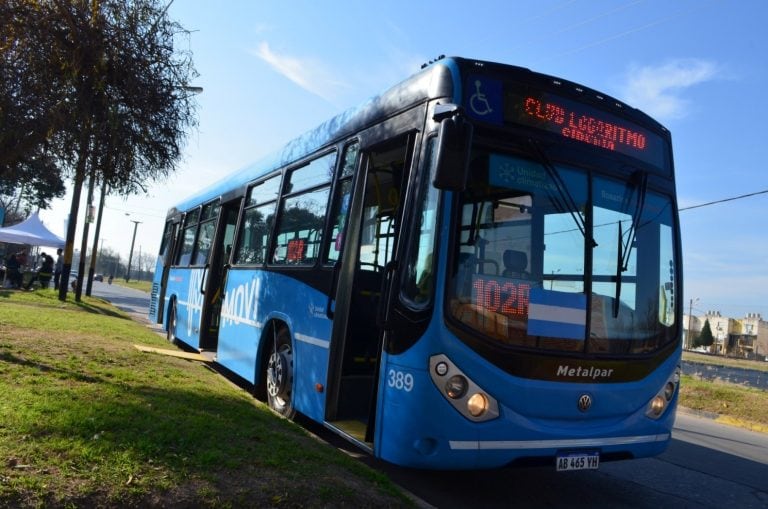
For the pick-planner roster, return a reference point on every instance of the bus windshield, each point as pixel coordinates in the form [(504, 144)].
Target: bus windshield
[(562, 258)]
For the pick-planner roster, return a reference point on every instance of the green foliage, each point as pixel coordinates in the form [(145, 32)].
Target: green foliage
[(705, 338), (91, 81)]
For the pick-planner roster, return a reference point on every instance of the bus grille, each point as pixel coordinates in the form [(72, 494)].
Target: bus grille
[(153, 299)]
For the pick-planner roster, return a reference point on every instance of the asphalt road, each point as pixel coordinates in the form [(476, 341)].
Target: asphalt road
[(707, 465), (133, 302)]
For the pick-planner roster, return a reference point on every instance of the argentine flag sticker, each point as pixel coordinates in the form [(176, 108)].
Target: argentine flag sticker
[(557, 314)]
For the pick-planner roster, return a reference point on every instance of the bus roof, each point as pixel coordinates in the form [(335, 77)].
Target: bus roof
[(441, 78)]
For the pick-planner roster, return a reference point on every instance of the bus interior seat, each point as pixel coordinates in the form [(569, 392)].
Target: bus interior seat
[(515, 263)]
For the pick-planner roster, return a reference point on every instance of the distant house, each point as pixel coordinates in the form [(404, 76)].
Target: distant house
[(736, 337)]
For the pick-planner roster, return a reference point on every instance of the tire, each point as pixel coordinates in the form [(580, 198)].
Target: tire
[(172, 322), (278, 375)]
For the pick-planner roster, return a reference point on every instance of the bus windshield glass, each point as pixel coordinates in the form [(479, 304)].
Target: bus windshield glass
[(561, 258)]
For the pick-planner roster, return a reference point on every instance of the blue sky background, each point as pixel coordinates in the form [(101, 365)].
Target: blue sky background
[(274, 69)]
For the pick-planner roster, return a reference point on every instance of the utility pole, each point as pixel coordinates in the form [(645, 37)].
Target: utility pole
[(96, 254), (690, 317), (130, 255)]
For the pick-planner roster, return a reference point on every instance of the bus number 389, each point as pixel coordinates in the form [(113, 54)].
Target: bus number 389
[(400, 380)]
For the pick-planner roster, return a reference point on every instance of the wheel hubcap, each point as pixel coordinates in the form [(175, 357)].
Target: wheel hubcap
[(279, 376)]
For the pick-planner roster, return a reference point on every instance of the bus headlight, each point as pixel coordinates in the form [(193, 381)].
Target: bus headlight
[(460, 391), (657, 405), (477, 404), (660, 401), (456, 387), (669, 391)]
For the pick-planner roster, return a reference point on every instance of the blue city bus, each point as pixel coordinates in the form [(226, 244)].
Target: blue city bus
[(479, 267)]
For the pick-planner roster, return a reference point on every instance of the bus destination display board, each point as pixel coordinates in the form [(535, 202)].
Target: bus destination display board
[(584, 123)]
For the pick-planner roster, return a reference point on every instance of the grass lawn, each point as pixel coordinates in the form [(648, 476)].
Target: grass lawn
[(87, 420), (733, 404)]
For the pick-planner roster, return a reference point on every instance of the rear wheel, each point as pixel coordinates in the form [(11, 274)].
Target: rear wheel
[(172, 321), (278, 377)]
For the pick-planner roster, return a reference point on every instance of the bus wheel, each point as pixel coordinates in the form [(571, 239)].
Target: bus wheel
[(279, 374), (172, 321)]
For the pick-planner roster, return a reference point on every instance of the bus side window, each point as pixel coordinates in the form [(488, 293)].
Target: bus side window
[(299, 233), (188, 245), (258, 218)]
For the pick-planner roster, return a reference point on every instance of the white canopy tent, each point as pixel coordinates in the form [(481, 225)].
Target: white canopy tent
[(32, 232)]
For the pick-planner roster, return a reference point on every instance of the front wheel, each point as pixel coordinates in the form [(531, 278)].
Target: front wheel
[(278, 377)]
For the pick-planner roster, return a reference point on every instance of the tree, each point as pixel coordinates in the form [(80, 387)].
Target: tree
[(30, 174), (705, 338), (98, 90)]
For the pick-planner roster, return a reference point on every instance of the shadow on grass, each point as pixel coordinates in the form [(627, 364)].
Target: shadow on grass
[(185, 426), (50, 299), (45, 368), (90, 308)]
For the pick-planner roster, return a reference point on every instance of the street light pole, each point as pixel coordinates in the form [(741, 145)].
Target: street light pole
[(130, 255)]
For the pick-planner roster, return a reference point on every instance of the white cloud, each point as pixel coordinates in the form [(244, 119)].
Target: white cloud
[(311, 75), (659, 90)]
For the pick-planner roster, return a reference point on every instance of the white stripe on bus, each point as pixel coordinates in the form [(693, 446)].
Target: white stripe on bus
[(554, 444), (312, 341)]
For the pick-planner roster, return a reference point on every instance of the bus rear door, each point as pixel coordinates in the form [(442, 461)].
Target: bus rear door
[(216, 273)]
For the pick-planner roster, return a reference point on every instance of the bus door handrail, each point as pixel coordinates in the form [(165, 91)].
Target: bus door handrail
[(386, 289), (202, 279)]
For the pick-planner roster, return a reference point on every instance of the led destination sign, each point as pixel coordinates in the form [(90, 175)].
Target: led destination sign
[(584, 123)]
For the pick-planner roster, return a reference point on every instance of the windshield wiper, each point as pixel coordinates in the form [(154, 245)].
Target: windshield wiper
[(636, 214), (619, 269), (562, 190), (625, 250)]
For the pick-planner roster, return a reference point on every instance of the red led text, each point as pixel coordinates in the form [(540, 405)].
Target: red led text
[(501, 296), (584, 128)]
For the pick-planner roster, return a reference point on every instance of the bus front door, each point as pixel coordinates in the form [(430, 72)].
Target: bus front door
[(372, 242)]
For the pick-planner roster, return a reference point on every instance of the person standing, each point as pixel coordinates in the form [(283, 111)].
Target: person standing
[(44, 272), (21, 256), (13, 270), (59, 268)]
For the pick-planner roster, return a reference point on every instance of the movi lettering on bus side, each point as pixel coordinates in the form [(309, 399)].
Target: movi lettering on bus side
[(240, 303)]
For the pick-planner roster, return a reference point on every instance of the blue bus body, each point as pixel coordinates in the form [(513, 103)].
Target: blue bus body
[(528, 314)]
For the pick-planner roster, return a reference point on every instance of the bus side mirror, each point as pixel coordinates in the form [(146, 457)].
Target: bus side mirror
[(453, 142)]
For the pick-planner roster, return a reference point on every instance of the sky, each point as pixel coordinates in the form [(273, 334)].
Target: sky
[(271, 70)]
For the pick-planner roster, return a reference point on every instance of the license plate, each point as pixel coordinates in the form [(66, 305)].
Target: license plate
[(578, 461)]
